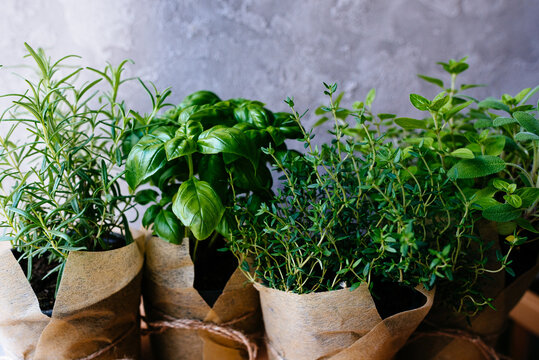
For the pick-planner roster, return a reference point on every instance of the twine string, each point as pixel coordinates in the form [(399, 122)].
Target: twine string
[(223, 330), (111, 345)]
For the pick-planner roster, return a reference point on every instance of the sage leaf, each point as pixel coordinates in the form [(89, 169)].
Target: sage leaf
[(493, 104), (494, 145), (526, 136), (481, 165), (463, 153), (513, 200), (526, 224), (527, 121), (529, 196), (500, 121), (501, 213)]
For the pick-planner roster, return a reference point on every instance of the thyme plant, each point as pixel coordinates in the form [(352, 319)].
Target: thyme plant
[(353, 210), (60, 160)]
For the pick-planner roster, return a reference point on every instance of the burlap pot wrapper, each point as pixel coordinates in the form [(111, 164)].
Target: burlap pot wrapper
[(448, 335), (169, 293), (474, 339), (95, 315), (334, 325)]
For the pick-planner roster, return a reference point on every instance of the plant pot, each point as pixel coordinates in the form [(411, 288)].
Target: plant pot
[(169, 293), (340, 324), (95, 315), (449, 335)]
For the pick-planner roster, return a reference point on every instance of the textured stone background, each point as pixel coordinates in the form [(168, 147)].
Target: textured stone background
[(272, 49)]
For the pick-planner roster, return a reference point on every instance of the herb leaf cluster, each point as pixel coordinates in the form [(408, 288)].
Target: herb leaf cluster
[(60, 185), (353, 210), (192, 151)]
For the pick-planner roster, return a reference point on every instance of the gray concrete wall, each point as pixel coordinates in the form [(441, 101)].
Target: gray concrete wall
[(272, 49)]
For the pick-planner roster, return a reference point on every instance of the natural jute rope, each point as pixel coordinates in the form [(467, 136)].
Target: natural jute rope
[(223, 330)]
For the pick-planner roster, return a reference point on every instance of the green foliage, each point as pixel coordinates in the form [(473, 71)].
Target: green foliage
[(355, 209), (190, 153), (60, 183), (492, 151)]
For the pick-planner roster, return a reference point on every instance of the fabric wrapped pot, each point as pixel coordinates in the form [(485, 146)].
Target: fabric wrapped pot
[(95, 315), (452, 336), (336, 325), (169, 294), (446, 335)]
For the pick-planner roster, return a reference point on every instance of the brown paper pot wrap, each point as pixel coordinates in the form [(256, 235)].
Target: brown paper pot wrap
[(334, 325), (487, 325), (168, 291), (95, 315)]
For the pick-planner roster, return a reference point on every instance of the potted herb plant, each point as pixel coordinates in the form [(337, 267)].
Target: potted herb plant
[(358, 224), (70, 279), (189, 154), (491, 152)]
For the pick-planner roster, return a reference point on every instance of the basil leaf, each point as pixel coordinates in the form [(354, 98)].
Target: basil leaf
[(198, 207), (150, 214), (220, 139), (201, 97), (168, 227), (146, 196), (147, 157)]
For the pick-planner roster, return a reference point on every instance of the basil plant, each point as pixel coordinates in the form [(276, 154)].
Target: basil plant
[(193, 153)]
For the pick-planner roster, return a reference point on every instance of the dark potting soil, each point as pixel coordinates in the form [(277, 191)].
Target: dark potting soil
[(45, 288), (213, 269), (392, 298), (114, 241)]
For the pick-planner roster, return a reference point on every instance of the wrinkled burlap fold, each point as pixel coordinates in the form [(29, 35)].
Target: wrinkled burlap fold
[(95, 315), (334, 325), (476, 334), (168, 290)]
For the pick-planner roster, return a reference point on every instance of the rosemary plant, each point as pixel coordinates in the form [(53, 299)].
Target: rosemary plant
[(60, 159)]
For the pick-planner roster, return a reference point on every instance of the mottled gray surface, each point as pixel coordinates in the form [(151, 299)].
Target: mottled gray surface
[(272, 49)]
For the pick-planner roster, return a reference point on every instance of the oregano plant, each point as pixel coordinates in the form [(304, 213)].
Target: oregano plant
[(487, 148)]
